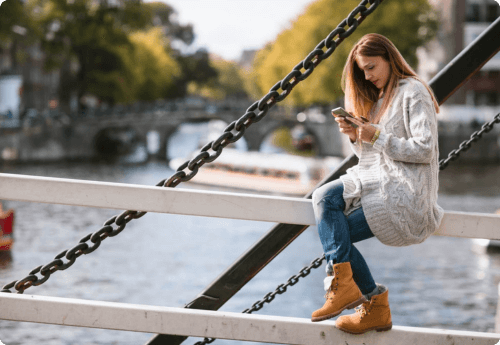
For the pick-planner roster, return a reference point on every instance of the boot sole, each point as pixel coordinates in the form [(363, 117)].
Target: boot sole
[(349, 306), (378, 329)]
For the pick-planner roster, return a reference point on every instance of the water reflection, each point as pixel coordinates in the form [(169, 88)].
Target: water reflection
[(190, 137)]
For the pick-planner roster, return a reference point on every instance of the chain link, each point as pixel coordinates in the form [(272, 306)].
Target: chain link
[(256, 112), (466, 144)]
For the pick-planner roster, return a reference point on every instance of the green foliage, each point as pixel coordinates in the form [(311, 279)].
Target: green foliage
[(123, 52), (227, 84), (161, 14), (196, 69), (154, 70), (119, 51), (11, 13), (408, 24), (91, 33)]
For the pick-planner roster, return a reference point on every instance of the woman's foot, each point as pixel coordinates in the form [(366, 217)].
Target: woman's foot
[(374, 314), (342, 293)]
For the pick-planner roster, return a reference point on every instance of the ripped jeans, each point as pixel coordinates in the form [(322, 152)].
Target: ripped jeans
[(338, 233)]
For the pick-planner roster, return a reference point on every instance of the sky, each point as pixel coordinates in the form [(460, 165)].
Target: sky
[(227, 27)]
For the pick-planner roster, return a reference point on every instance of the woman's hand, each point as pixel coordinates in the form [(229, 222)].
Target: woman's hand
[(365, 130), (346, 128)]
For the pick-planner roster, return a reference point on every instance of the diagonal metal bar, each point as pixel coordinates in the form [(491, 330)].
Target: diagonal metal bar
[(444, 84), (250, 263), (470, 60)]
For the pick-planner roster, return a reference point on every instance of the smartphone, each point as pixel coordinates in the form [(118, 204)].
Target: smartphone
[(343, 113)]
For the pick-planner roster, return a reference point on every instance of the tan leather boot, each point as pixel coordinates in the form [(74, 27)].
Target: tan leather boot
[(374, 314), (343, 293)]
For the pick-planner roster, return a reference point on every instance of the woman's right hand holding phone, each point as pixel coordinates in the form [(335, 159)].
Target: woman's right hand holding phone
[(346, 128)]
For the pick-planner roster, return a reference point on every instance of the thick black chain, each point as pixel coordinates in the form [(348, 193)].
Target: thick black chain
[(280, 289), (466, 144), (110, 228), (254, 113)]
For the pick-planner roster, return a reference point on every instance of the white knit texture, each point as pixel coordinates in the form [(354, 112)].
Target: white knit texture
[(396, 179)]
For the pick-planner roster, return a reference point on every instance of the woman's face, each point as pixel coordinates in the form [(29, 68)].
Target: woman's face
[(376, 69)]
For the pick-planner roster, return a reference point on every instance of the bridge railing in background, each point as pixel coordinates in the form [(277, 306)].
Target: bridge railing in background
[(33, 117)]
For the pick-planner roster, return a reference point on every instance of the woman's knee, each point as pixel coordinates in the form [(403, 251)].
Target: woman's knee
[(331, 193), (317, 195)]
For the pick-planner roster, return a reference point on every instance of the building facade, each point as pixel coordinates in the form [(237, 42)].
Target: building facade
[(40, 87), (461, 22)]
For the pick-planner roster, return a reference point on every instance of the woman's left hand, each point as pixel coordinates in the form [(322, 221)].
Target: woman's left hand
[(365, 130)]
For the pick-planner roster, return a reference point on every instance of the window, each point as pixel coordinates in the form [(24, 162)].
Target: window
[(472, 13), (493, 98), (492, 12), (486, 98)]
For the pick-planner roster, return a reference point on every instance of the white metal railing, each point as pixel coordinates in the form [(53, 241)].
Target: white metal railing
[(204, 203), (216, 324), (155, 199)]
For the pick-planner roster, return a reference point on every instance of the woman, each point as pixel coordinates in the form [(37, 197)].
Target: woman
[(392, 192)]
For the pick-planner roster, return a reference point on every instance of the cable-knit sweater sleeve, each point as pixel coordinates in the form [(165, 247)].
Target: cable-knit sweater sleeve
[(420, 120), (355, 147)]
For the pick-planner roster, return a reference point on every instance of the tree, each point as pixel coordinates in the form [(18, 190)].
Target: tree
[(228, 83), (163, 15), (16, 29), (12, 14), (195, 68), (92, 34), (122, 50), (409, 24), (154, 70)]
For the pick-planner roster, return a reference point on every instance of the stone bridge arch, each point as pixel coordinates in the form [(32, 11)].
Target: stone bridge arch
[(166, 123), (111, 141), (274, 125), (172, 129)]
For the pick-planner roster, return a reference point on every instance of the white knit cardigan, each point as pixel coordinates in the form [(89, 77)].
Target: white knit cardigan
[(396, 179)]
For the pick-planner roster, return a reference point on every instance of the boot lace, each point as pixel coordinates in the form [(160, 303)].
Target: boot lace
[(333, 286), (363, 309)]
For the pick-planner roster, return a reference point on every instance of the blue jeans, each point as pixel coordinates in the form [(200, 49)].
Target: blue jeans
[(338, 233)]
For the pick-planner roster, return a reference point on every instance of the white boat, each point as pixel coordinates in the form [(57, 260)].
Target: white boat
[(264, 172)]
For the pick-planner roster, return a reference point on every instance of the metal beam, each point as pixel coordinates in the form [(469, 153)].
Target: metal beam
[(253, 207), (156, 199), (223, 325), (467, 63), (470, 225)]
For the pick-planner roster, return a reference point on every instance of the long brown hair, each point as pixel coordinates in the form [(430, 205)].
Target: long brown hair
[(360, 94)]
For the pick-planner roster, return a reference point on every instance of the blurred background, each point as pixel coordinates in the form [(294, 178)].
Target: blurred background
[(128, 90)]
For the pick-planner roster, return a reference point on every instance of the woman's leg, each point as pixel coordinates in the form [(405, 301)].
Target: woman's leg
[(360, 231), (375, 314), (342, 291), (333, 229), (337, 233)]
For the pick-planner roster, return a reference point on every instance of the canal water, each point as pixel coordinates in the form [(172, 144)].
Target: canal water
[(166, 260)]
